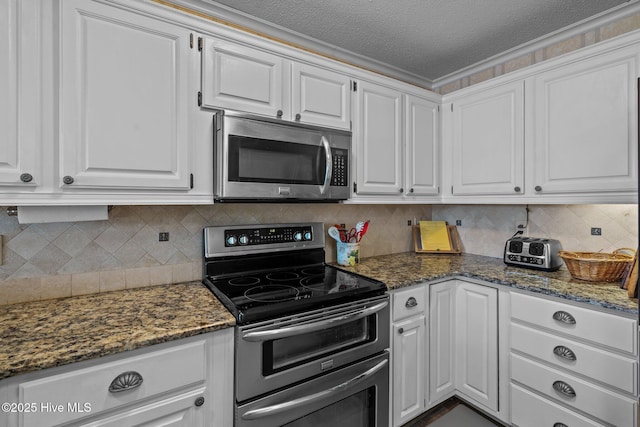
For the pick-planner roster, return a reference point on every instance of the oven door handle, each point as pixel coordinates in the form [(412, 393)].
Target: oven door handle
[(305, 400), (273, 334), (329, 168)]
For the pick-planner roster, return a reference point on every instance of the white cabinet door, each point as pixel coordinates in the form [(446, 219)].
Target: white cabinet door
[(19, 86), (421, 137), (124, 97), (409, 365), (585, 125), (320, 96), (442, 298), (488, 141), (378, 139), (241, 78), (477, 343)]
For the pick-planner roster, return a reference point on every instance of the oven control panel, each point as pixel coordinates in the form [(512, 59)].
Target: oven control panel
[(267, 235)]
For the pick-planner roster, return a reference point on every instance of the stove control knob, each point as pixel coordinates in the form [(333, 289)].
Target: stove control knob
[(243, 239), (232, 240), (307, 235), (297, 236)]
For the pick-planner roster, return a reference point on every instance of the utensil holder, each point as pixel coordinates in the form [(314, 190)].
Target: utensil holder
[(348, 254)]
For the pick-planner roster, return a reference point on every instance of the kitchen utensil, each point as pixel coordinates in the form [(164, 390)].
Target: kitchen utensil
[(362, 232), (334, 233)]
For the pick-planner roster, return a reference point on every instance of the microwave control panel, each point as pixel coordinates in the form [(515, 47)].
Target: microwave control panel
[(339, 176)]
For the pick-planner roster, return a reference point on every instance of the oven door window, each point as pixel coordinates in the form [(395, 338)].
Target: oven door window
[(287, 352), (267, 161), (357, 410)]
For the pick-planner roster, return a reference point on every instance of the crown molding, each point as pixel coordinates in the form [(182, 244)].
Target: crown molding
[(581, 27)]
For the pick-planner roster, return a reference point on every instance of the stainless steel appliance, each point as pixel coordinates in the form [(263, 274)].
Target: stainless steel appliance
[(311, 341), (532, 252), (258, 158)]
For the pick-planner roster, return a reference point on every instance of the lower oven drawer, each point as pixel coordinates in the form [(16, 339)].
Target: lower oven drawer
[(354, 396), (574, 392), (275, 354)]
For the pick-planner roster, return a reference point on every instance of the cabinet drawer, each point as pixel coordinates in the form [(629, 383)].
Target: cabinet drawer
[(611, 369), (601, 328), (530, 410), (88, 388), (599, 402), (409, 302)]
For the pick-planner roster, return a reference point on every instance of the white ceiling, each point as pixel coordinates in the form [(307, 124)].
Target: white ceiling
[(426, 38)]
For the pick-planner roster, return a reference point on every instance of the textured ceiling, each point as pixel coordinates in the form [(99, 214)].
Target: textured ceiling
[(428, 38)]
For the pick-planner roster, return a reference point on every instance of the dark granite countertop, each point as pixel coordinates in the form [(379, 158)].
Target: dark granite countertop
[(44, 334), (406, 269)]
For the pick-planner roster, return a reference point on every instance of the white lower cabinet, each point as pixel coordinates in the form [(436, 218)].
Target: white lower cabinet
[(408, 343), (575, 365), (183, 383), (456, 354)]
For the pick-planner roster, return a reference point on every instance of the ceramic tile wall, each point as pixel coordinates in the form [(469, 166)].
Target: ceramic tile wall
[(485, 229), (605, 32), (42, 261)]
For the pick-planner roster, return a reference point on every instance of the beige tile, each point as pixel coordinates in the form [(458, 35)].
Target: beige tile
[(112, 280), (538, 55), (137, 277), (619, 27), (85, 283), (160, 275), (58, 286), (564, 46), (450, 87), (24, 290), (481, 76), (590, 37), (518, 63), (182, 273)]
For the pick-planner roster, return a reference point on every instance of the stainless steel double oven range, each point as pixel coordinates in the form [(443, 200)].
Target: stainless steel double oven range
[(311, 341)]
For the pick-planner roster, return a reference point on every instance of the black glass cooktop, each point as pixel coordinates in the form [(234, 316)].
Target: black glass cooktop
[(268, 294)]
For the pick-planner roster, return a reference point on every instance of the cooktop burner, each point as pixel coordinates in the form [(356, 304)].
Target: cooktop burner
[(279, 271)]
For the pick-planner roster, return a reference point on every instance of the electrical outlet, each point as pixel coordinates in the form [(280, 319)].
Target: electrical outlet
[(163, 236), (596, 231), (409, 222), (458, 222)]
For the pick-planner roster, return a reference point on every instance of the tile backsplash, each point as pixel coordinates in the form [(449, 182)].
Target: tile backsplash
[(485, 229), (42, 261)]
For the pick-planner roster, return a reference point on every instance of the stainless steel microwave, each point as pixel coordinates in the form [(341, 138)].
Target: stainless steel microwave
[(262, 159)]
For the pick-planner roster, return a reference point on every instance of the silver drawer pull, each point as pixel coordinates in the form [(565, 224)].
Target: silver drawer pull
[(125, 381), (560, 425), (564, 388), (564, 317), (564, 352), (411, 302)]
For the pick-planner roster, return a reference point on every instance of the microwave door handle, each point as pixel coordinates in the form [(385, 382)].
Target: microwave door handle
[(305, 400), (273, 334), (329, 161)]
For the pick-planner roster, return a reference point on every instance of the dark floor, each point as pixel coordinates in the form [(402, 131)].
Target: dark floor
[(433, 414)]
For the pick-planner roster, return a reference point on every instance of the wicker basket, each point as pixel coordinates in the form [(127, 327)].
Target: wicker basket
[(597, 266)]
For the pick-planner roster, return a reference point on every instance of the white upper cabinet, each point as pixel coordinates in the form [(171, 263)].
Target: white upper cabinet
[(377, 134), (488, 141), (124, 97), (19, 85), (421, 139), (320, 96), (584, 125), (242, 78)]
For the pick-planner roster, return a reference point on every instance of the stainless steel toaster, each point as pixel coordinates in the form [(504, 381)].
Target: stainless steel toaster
[(532, 252)]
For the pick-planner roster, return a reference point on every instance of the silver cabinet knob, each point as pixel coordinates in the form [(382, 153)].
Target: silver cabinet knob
[(538, 188), (68, 179), (401, 190), (279, 113), (516, 189), (26, 177), (401, 330), (199, 401), (298, 117), (411, 190)]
